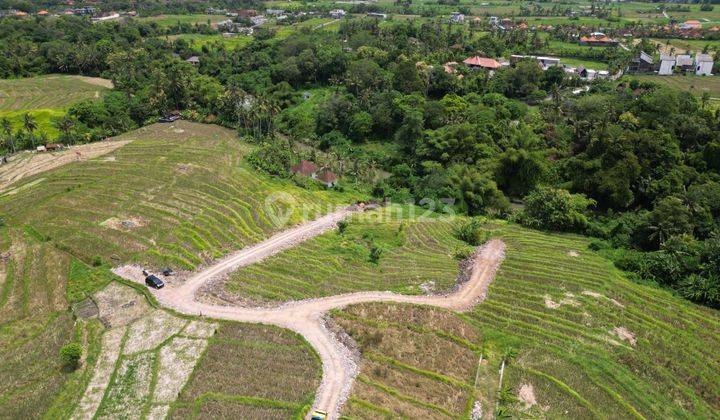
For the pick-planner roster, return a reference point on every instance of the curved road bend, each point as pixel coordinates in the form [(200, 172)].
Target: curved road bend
[(305, 317)]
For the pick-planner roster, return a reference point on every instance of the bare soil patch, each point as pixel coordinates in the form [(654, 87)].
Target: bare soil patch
[(119, 305), (569, 299), (200, 329), (572, 253), (129, 223), (526, 394), (177, 361), (623, 334), (151, 330)]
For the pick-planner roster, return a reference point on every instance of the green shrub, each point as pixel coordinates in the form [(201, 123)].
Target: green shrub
[(472, 232), (342, 226), (375, 253), (70, 355), (555, 209)]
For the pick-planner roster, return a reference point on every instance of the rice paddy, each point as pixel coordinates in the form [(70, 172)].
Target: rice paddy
[(576, 364), (579, 339)]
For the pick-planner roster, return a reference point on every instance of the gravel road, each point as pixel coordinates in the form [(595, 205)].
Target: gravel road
[(306, 316)]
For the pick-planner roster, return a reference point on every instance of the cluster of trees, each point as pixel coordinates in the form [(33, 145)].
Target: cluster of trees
[(635, 165)]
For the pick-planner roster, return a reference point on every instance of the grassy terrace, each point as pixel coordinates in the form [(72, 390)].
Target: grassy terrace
[(414, 253), (273, 374), (183, 192), (186, 196), (561, 313), (46, 98)]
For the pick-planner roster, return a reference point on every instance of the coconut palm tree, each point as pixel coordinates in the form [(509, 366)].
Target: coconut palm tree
[(30, 125)]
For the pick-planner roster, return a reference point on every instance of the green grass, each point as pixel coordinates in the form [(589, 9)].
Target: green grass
[(33, 93), (414, 253), (44, 118), (689, 83), (197, 41), (173, 20)]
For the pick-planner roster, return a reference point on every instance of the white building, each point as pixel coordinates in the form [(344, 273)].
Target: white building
[(457, 17), (703, 64), (337, 13), (667, 64)]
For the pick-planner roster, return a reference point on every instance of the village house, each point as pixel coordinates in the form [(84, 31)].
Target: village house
[(305, 168), (598, 39), (478, 62), (457, 17), (703, 65), (642, 63), (690, 25), (381, 16), (337, 14), (194, 60), (544, 62), (667, 64), (328, 178)]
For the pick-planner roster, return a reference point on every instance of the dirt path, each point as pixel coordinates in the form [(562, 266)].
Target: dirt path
[(306, 316), (26, 164)]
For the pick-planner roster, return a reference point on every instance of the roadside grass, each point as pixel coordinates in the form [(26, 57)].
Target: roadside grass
[(414, 252), (273, 373)]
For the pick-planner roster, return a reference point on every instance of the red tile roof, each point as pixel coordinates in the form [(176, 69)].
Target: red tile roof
[(596, 39), (483, 62), (305, 167), (327, 176)]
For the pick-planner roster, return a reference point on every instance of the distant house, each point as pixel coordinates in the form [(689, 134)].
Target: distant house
[(328, 178), (194, 60), (54, 146), (691, 24), (275, 12), (545, 62), (381, 16), (494, 20), (450, 67), (667, 64), (457, 17), (703, 64), (306, 168), (642, 63), (684, 62), (478, 62), (43, 13), (337, 14), (598, 39)]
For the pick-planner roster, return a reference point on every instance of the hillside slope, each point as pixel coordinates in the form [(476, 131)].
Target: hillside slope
[(176, 195)]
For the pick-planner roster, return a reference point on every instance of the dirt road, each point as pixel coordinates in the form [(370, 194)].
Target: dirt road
[(306, 317), (25, 164)]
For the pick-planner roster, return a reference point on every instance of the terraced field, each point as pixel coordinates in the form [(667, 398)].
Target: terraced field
[(49, 92), (273, 374), (46, 98), (415, 253), (583, 341), (177, 195)]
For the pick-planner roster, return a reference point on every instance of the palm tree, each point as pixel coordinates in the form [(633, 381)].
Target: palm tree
[(6, 127), (30, 126)]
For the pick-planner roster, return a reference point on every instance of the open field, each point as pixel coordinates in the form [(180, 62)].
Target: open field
[(49, 92), (693, 84), (173, 20), (197, 41), (46, 98), (138, 203)]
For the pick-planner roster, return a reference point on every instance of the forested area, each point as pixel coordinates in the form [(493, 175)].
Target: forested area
[(635, 165)]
